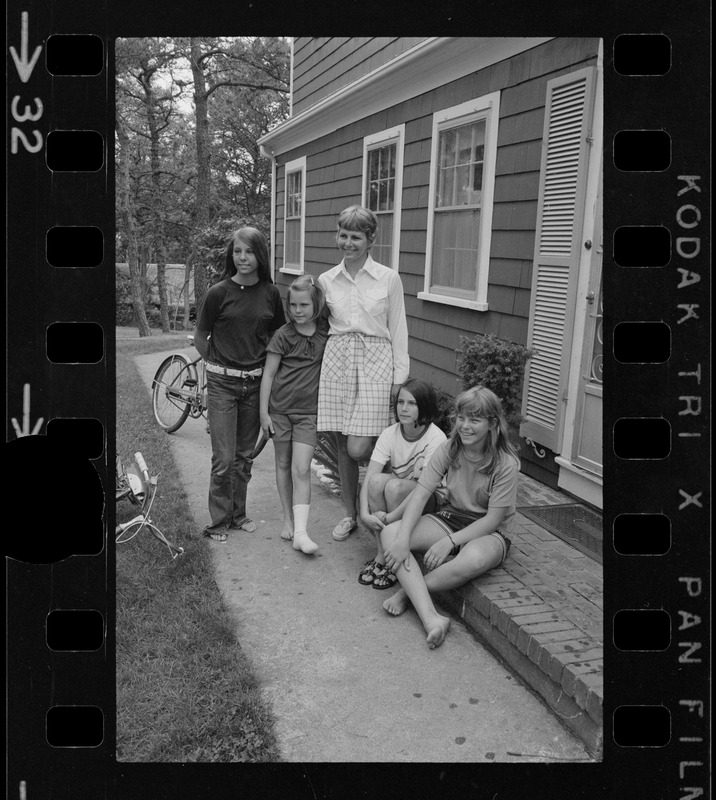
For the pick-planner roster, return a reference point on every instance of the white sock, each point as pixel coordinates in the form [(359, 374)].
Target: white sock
[(301, 539)]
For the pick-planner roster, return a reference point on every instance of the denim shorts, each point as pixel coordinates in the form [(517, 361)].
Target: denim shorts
[(452, 521)]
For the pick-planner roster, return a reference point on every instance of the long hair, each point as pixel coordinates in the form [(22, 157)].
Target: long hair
[(307, 283), (483, 402), (257, 242), (424, 395)]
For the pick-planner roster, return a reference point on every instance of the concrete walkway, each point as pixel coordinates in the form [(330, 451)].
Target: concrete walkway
[(346, 681)]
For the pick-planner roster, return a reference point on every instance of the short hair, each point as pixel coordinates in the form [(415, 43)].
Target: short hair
[(307, 283), (258, 243), (358, 218), (425, 398)]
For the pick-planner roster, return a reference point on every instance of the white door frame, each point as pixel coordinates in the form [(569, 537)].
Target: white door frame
[(579, 482)]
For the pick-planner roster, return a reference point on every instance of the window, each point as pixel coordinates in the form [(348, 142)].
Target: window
[(382, 190), (462, 175), (295, 216)]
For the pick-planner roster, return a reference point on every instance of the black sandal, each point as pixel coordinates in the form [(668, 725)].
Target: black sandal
[(384, 579), (367, 574)]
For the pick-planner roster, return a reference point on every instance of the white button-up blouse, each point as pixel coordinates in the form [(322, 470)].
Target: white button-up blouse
[(373, 304)]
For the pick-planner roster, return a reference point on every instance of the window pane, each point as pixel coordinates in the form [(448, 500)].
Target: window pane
[(381, 177), (372, 200), (293, 242), (293, 194), (385, 196), (447, 148), (477, 178), (382, 250), (464, 195), (462, 152), (390, 160), (380, 197), (464, 147), (373, 158), (455, 247), (446, 187)]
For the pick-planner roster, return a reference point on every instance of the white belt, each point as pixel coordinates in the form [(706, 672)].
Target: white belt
[(234, 373)]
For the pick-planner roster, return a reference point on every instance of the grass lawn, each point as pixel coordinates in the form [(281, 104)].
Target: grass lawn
[(185, 691)]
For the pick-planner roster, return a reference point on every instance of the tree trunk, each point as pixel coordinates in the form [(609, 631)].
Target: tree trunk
[(203, 185), (158, 228), (186, 293), (136, 283)]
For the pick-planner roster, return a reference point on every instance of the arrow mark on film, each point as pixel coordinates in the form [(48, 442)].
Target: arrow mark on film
[(25, 430), (25, 67)]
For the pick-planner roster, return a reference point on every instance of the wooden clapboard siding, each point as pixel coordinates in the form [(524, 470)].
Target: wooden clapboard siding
[(322, 65), (334, 180)]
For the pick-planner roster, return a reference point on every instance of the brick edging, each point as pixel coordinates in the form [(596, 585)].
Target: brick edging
[(537, 647)]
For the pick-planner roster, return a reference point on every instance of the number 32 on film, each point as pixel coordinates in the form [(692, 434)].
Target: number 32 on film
[(25, 66)]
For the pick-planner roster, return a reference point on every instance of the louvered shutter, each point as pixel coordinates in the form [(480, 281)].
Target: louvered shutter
[(558, 242)]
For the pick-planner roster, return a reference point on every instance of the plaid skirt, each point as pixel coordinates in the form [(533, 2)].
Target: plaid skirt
[(356, 379)]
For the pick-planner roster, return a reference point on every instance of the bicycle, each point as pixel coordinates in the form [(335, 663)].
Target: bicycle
[(179, 391), (139, 487)]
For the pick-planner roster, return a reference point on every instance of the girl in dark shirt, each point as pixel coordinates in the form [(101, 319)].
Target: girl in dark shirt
[(237, 318), (289, 404)]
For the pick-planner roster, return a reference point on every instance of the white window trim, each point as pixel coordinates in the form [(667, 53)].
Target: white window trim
[(298, 165), (381, 138), (488, 107)]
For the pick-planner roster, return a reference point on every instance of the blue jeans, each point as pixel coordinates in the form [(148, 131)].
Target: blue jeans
[(234, 426)]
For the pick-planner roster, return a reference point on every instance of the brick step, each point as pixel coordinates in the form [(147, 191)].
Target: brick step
[(542, 614)]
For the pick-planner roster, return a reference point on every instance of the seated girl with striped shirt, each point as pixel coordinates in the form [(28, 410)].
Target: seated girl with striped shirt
[(406, 448)]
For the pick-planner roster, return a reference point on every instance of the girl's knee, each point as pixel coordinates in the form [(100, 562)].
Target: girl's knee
[(396, 490), (360, 447), (300, 472), (283, 462), (376, 486), (479, 556)]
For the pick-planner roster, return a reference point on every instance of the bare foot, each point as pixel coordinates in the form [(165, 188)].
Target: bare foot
[(397, 603), (287, 531), (437, 631)]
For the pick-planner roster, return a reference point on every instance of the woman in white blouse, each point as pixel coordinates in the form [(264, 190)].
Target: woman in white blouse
[(366, 357)]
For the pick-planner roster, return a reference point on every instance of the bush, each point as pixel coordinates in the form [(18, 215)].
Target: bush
[(497, 364), (446, 407), (124, 314)]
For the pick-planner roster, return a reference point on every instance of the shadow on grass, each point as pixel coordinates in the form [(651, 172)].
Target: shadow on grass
[(185, 690)]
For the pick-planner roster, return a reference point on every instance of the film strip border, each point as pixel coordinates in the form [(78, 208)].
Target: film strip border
[(61, 411), (59, 401), (656, 432)]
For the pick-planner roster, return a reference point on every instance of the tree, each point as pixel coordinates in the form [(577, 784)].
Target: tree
[(192, 171), (242, 68), (127, 218)]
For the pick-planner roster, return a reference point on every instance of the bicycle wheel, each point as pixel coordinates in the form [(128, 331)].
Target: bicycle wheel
[(169, 391)]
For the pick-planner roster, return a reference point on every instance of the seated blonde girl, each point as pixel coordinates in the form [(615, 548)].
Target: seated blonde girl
[(466, 538)]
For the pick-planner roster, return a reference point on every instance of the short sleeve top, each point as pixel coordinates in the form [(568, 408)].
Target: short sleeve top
[(469, 489), (295, 385), (241, 321), (407, 458)]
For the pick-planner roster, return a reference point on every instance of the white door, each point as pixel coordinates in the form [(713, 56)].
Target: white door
[(587, 443)]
